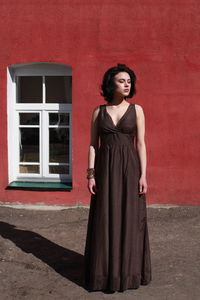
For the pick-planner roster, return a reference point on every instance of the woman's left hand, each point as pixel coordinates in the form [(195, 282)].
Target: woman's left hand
[(143, 185)]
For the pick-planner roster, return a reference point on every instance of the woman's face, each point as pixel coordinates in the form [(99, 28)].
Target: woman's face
[(122, 82)]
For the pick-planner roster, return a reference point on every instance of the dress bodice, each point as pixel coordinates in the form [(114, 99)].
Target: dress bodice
[(121, 133)]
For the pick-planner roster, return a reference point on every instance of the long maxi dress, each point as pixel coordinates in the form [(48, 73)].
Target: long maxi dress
[(117, 250)]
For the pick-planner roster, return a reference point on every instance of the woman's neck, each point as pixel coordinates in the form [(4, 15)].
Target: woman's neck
[(117, 101)]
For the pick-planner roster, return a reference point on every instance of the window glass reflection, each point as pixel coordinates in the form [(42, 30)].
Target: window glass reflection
[(59, 119), (29, 145), (29, 119), (58, 89), (59, 145), (29, 89), (59, 169), (29, 169)]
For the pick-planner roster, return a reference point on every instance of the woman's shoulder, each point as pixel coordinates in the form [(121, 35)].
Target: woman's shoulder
[(139, 109), (97, 108), (96, 111)]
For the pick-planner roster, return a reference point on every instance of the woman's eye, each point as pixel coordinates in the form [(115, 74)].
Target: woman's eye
[(121, 81)]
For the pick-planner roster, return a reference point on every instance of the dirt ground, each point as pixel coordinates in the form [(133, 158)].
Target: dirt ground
[(41, 255)]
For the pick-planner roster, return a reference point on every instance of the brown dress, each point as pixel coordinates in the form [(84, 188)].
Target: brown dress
[(117, 252)]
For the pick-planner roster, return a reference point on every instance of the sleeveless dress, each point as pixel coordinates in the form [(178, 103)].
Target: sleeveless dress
[(117, 251)]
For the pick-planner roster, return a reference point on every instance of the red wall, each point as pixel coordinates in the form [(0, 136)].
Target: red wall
[(159, 39)]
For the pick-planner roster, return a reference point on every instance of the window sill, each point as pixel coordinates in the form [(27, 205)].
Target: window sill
[(32, 185)]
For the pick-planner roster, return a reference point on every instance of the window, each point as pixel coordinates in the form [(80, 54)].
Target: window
[(39, 122)]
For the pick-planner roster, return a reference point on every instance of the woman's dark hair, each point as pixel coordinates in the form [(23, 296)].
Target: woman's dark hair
[(108, 85)]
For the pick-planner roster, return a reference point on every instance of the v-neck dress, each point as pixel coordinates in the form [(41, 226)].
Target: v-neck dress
[(117, 250)]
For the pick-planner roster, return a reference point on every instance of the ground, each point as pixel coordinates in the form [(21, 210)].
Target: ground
[(41, 255)]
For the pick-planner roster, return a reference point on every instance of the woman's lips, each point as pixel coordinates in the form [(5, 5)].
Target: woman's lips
[(126, 90)]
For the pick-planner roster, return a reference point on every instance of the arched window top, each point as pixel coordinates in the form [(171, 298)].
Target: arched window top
[(40, 69)]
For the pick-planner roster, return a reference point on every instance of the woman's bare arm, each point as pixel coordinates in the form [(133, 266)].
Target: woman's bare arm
[(141, 146), (93, 138), (93, 147)]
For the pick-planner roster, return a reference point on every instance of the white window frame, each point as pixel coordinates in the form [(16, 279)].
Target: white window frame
[(13, 110)]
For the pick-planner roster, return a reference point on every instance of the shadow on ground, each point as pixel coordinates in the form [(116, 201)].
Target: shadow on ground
[(66, 262)]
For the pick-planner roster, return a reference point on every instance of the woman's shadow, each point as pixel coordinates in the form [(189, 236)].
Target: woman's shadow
[(67, 263)]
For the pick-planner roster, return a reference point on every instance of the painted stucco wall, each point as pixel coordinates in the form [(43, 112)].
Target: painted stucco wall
[(159, 39)]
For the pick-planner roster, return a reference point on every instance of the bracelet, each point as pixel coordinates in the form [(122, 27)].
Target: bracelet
[(90, 173)]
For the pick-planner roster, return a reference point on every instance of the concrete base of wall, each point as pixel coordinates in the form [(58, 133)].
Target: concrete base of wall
[(61, 207)]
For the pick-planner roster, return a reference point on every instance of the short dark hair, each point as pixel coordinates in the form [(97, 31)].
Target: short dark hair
[(108, 85)]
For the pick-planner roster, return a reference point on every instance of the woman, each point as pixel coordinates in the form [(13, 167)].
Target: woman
[(117, 252)]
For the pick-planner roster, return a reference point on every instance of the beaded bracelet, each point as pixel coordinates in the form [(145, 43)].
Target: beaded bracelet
[(90, 173)]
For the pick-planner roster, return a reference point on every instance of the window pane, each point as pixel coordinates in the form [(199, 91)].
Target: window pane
[(29, 118), (58, 119), (29, 89), (58, 89), (59, 145), (29, 169), (59, 169), (29, 146)]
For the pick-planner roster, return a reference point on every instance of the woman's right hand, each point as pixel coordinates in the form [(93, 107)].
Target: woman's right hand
[(92, 186)]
